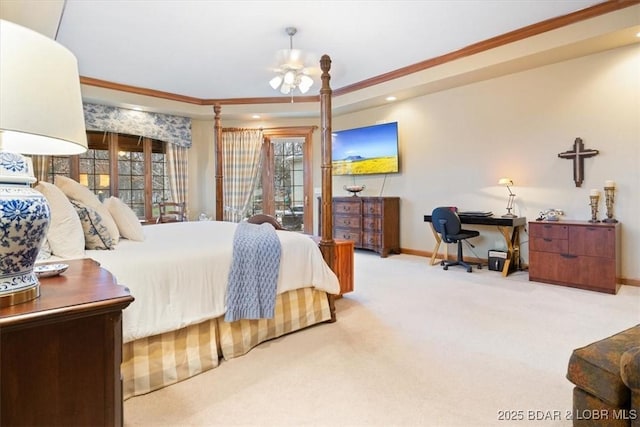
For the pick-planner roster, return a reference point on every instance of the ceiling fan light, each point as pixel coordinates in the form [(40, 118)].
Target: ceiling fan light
[(285, 89), (291, 72), (290, 77), (275, 82), (305, 83)]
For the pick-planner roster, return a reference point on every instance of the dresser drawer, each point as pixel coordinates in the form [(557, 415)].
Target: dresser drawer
[(372, 207), (370, 240), (347, 221), (372, 223), (593, 241), (572, 270), (548, 231), (347, 234), (547, 244), (347, 207)]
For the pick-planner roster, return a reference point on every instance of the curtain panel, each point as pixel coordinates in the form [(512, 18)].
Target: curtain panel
[(177, 168), (173, 129), (241, 151)]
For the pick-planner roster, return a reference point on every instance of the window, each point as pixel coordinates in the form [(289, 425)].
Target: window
[(132, 168)]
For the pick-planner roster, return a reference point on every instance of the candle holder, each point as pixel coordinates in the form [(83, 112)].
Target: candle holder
[(609, 197), (593, 201)]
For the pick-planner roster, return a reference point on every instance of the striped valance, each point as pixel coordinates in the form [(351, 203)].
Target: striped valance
[(173, 129)]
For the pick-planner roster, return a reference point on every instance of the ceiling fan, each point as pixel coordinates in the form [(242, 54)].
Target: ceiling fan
[(292, 73)]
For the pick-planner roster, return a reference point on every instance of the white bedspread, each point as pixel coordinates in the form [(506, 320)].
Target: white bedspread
[(178, 274)]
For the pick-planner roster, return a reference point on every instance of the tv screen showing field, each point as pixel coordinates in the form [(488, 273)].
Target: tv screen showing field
[(367, 150)]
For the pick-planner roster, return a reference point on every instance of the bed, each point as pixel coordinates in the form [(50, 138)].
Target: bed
[(175, 328)]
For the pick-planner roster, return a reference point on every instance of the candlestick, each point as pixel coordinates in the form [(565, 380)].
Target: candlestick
[(593, 201), (609, 197), (595, 192)]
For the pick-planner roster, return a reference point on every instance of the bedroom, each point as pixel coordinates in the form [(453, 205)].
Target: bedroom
[(504, 135)]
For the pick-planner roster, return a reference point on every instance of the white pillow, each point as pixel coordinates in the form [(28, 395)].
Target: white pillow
[(65, 234), (78, 192), (126, 219)]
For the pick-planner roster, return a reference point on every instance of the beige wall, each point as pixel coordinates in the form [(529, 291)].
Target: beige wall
[(456, 144)]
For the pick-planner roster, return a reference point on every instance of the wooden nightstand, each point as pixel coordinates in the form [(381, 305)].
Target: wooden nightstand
[(344, 263), (60, 354)]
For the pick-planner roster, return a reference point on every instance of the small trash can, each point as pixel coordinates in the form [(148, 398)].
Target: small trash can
[(496, 259)]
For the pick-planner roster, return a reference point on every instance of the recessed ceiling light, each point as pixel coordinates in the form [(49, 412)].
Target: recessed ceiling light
[(255, 116), (391, 98)]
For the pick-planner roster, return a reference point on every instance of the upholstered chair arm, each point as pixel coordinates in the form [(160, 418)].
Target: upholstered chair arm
[(630, 374)]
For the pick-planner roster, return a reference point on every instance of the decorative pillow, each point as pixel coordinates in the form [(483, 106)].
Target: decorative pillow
[(96, 235), (76, 191), (65, 235), (126, 219)]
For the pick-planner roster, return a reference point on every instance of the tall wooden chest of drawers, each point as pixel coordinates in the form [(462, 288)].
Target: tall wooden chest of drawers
[(579, 254), (371, 222)]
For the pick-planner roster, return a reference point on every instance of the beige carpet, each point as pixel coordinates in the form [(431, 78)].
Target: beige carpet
[(414, 345)]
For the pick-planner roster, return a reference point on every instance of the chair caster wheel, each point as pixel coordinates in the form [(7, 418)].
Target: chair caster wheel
[(446, 267), (469, 270), (479, 267), (442, 263)]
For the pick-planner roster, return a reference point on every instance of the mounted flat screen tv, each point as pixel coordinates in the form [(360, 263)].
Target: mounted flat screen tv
[(366, 150)]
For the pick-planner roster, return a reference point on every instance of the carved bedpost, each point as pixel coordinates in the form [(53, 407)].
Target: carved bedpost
[(219, 164), (327, 244), (326, 233)]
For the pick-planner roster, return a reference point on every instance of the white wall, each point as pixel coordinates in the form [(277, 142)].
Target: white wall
[(456, 144)]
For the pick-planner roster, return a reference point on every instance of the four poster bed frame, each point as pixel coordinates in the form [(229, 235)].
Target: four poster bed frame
[(154, 362)]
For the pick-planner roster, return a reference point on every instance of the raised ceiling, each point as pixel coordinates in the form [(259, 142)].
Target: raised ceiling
[(193, 53)]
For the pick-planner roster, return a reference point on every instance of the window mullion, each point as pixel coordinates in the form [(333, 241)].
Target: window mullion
[(113, 164), (147, 146)]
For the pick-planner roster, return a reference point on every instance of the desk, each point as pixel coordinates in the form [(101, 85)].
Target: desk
[(509, 227)]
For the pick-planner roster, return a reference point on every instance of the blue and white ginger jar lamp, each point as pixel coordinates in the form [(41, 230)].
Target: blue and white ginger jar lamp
[(24, 220)]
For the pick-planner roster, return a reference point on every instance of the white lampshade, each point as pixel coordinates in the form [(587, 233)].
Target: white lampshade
[(505, 181), (40, 101), (40, 113)]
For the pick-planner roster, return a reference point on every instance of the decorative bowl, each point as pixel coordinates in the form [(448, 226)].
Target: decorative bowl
[(354, 189)]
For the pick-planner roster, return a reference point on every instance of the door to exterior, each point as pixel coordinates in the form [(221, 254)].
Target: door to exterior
[(284, 187)]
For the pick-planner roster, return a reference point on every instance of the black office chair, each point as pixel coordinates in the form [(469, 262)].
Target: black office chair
[(447, 223)]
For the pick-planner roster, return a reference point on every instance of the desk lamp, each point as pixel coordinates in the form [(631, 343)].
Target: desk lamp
[(508, 182), (40, 113)]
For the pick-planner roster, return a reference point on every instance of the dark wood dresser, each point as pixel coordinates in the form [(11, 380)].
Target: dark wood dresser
[(579, 254), (60, 354), (370, 222)]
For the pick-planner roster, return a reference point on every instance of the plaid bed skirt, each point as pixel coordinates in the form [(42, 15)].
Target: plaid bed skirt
[(151, 363)]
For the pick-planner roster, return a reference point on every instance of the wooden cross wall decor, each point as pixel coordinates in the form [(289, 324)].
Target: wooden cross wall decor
[(578, 154)]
